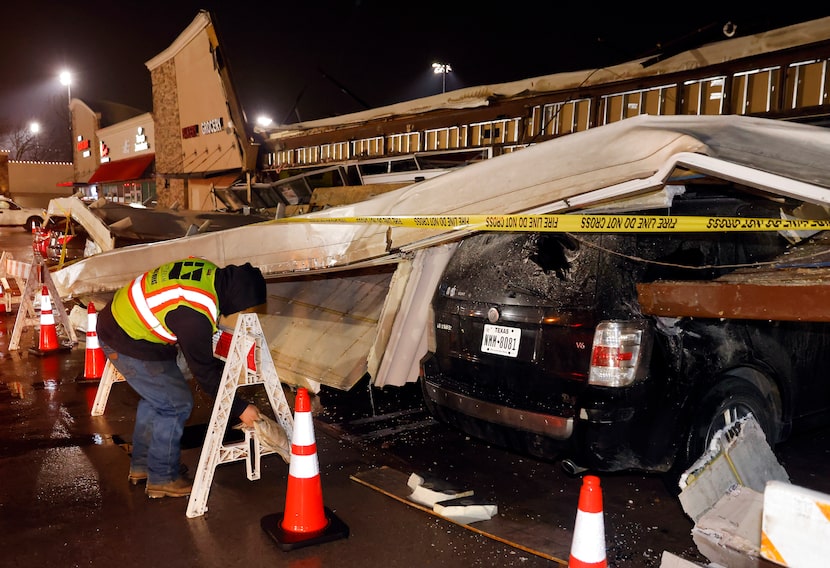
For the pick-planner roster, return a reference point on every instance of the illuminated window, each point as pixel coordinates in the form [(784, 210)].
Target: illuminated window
[(806, 85)]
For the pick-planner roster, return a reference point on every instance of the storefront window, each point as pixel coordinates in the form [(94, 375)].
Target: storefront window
[(141, 192)]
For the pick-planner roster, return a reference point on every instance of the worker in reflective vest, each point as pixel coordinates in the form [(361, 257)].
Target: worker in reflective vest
[(174, 307)]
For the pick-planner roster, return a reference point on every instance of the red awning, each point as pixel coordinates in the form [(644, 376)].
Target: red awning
[(123, 170)]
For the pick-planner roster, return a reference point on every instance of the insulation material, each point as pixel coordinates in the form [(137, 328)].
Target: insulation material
[(429, 491), (322, 328), (466, 510), (392, 304), (77, 209), (407, 344), (601, 164), (739, 454), (729, 534), (615, 161)]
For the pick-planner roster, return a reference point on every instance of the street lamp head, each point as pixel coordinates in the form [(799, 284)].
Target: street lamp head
[(441, 68), (34, 127), (65, 78), (264, 121)]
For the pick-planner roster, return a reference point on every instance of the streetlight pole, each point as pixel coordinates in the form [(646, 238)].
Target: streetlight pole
[(66, 79), (443, 69)]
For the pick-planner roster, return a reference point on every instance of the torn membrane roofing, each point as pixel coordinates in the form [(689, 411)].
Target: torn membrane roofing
[(620, 160)]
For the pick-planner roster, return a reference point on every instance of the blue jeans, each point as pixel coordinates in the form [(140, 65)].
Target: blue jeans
[(165, 405)]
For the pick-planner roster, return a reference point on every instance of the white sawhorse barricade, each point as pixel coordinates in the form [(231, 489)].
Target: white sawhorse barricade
[(247, 334), (108, 377), (26, 316)]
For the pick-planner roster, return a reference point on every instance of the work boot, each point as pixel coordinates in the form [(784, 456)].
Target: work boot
[(178, 488), (136, 477)]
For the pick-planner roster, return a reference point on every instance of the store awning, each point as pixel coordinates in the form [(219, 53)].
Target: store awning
[(123, 170)]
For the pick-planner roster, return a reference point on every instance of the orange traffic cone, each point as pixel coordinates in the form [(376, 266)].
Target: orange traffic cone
[(95, 359), (588, 544), (305, 520), (48, 331)]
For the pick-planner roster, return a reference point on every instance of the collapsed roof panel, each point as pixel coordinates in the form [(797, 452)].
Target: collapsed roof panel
[(604, 164)]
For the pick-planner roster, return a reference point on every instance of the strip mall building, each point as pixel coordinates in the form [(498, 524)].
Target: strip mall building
[(197, 144)]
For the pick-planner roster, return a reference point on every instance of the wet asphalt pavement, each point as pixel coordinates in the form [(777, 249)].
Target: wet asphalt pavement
[(65, 499)]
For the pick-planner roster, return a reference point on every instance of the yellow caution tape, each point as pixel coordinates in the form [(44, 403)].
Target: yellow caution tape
[(577, 223)]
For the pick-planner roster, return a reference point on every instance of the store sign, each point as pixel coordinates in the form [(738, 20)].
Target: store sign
[(213, 125), (83, 146), (104, 152), (207, 127), (141, 142)]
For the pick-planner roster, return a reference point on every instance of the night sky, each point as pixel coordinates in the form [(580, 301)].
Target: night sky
[(302, 60)]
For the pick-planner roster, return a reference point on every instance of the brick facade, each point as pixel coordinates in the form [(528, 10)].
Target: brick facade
[(169, 156)]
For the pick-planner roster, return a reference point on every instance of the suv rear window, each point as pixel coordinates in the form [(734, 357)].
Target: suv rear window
[(499, 267)]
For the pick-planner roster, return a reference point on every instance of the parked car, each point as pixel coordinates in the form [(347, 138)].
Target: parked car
[(13, 215), (540, 344)]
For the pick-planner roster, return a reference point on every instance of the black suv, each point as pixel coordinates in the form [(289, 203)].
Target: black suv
[(540, 344)]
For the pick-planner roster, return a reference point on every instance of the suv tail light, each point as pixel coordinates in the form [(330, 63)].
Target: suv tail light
[(619, 347)]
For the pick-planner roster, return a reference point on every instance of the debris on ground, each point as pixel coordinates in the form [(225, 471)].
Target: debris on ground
[(429, 491), (747, 513)]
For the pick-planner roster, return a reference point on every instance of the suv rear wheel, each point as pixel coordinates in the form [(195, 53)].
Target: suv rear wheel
[(726, 403)]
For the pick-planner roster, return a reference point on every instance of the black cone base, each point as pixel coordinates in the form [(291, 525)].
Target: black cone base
[(335, 530), (41, 353), (91, 380)]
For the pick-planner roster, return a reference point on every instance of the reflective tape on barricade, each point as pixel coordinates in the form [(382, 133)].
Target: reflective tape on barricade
[(577, 223), (18, 269)]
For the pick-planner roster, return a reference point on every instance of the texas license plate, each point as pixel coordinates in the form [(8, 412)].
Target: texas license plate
[(501, 340)]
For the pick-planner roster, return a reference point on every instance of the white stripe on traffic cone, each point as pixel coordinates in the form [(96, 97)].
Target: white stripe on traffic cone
[(94, 357), (48, 331)]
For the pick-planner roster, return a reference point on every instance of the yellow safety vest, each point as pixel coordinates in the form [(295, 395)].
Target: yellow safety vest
[(141, 307)]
